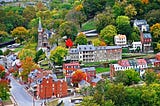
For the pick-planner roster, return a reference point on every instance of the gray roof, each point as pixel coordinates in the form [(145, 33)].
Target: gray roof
[(73, 50), (107, 47), (96, 79), (140, 22), (88, 69), (85, 48), (84, 83), (147, 35), (91, 48)]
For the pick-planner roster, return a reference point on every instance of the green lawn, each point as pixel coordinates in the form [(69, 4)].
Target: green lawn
[(88, 25), (18, 48), (101, 69)]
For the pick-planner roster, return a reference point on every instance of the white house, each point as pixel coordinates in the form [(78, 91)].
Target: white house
[(120, 40), (136, 45), (141, 24)]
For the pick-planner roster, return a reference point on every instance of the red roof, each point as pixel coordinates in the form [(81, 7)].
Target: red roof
[(71, 64), (158, 56), (124, 63), (141, 61)]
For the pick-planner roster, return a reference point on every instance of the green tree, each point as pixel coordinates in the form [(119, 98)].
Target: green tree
[(150, 76), (103, 19), (108, 33), (68, 29), (29, 13), (118, 9), (130, 11), (20, 33), (24, 53), (123, 25), (96, 42), (128, 77), (92, 10), (81, 39), (152, 16), (40, 55), (135, 35), (89, 101), (76, 16), (58, 54)]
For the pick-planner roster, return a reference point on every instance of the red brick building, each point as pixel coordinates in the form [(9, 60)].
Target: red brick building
[(44, 84), (146, 40), (157, 61)]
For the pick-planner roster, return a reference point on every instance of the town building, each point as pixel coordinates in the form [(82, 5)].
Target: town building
[(120, 40), (68, 69), (142, 25), (138, 64), (137, 46), (90, 53), (43, 37), (146, 40), (44, 84)]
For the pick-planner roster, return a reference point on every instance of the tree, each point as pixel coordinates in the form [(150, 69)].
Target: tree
[(4, 89), (78, 76), (29, 13), (103, 19), (128, 77), (27, 65), (69, 43), (108, 33), (89, 101), (24, 53), (81, 39), (57, 55), (76, 16), (135, 35), (155, 29), (40, 55), (40, 6), (68, 29), (150, 76), (130, 11), (3, 35), (2, 72), (20, 33), (123, 25), (96, 42), (118, 9), (117, 94), (152, 16), (92, 10), (102, 43)]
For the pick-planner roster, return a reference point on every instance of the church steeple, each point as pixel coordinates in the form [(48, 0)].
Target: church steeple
[(40, 26)]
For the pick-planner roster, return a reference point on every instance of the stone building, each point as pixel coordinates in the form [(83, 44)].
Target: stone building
[(90, 53)]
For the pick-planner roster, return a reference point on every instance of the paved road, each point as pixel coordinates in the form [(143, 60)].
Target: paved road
[(21, 96), (67, 101)]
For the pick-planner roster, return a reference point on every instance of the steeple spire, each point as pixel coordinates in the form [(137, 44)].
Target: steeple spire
[(40, 26)]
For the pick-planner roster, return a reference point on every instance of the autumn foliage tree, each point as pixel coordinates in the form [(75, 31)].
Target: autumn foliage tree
[(2, 71), (20, 33), (27, 65), (155, 29), (69, 43), (78, 76)]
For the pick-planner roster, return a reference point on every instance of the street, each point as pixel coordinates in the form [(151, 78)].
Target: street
[(21, 96)]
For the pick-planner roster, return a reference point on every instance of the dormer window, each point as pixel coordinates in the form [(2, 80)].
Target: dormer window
[(85, 48)]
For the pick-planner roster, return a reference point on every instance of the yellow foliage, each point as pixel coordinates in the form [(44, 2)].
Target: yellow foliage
[(79, 7), (155, 29), (145, 1)]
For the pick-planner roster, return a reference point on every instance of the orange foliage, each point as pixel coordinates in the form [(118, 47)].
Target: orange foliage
[(79, 7), (3, 82), (2, 68), (102, 43), (78, 76), (27, 66), (145, 1)]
